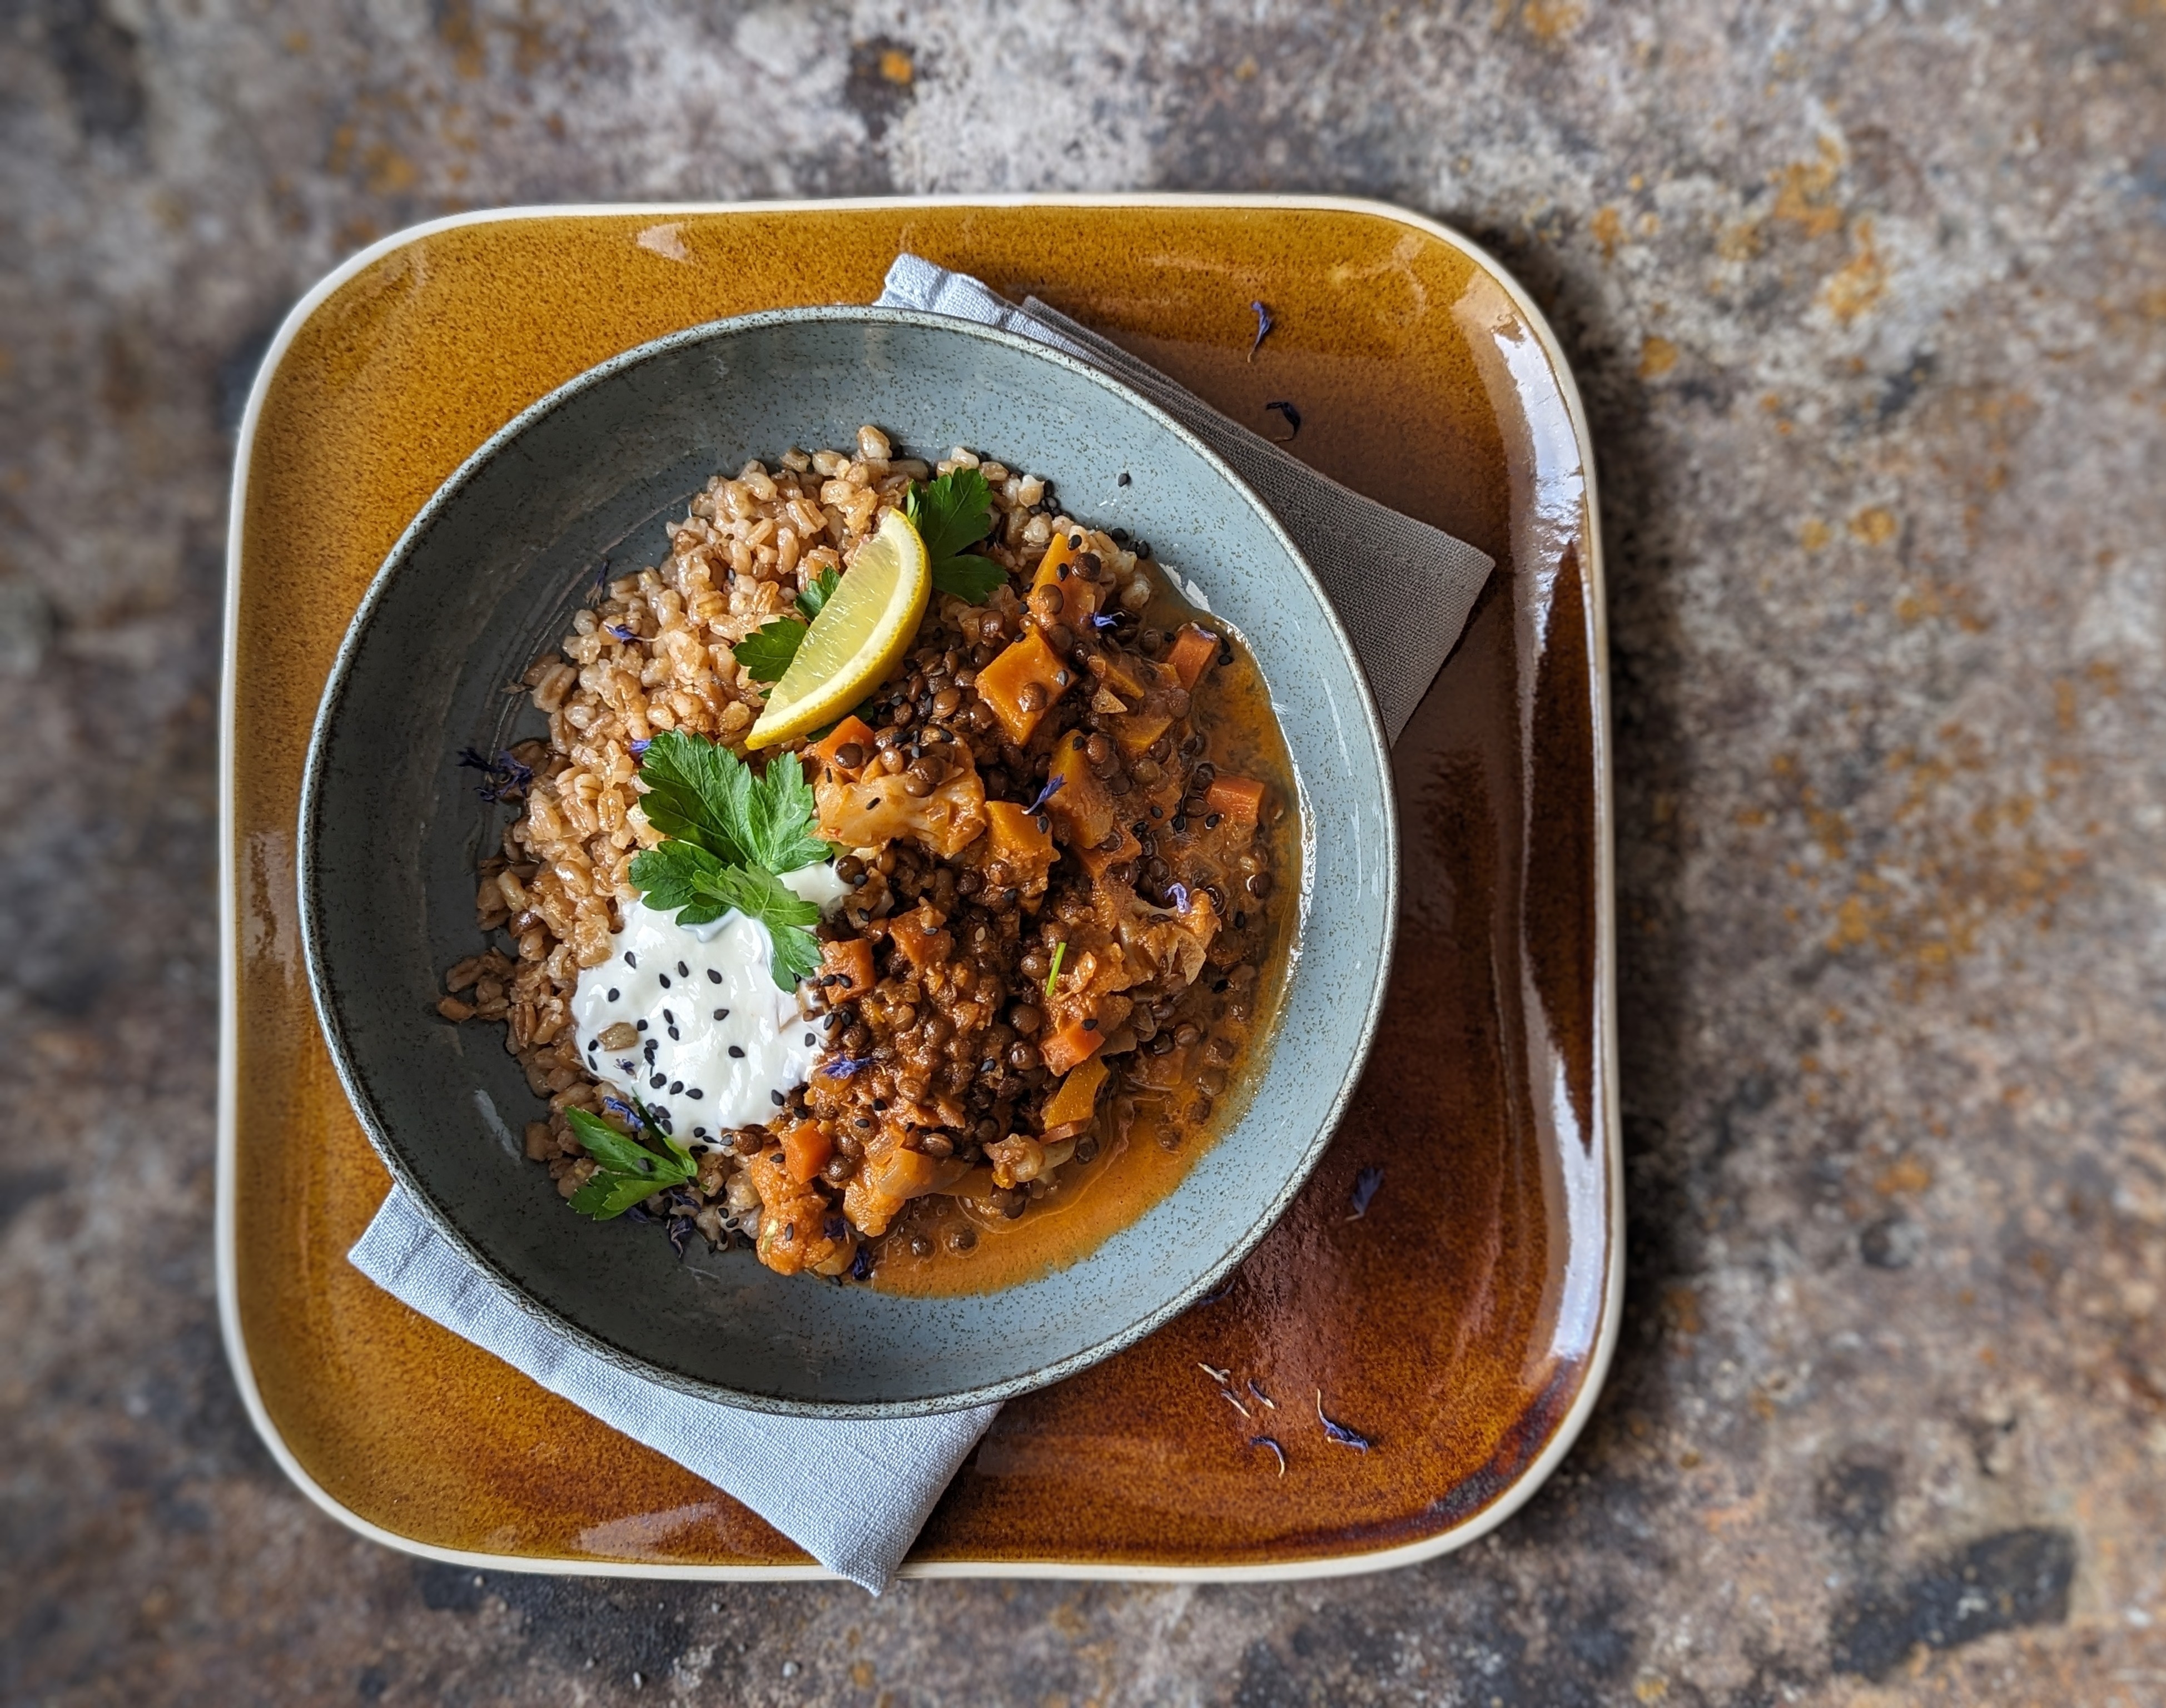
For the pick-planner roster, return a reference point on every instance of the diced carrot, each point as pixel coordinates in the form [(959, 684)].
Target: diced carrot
[(901, 1174), (1078, 598), (1240, 799), (1139, 729), (805, 1149), (1080, 806), (852, 728), (1095, 860), (1124, 676), (918, 935), (1077, 1097), (1195, 649), (850, 964), (1001, 684), (1058, 553), (1017, 835), (1069, 1046), (1020, 840)]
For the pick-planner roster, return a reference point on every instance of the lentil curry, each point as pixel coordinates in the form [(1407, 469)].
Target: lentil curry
[(1053, 931)]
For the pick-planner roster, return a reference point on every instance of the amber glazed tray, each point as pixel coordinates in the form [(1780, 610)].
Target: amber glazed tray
[(1462, 1323)]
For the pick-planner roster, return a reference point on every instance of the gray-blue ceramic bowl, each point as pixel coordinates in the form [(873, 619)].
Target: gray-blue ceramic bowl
[(485, 580)]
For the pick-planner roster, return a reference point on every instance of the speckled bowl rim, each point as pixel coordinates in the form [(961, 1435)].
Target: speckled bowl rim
[(313, 837), (225, 1235)]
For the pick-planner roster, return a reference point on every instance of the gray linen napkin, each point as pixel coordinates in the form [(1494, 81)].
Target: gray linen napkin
[(1402, 588), (858, 1518), (1369, 559)]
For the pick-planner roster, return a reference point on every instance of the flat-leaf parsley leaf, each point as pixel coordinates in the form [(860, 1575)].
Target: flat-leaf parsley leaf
[(951, 514), (680, 878), (696, 791), (761, 896), (765, 654), (767, 651), (627, 1173), (731, 834), (817, 593), (779, 815)]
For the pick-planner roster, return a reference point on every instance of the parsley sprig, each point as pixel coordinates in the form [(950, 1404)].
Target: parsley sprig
[(951, 514), (765, 654), (629, 1172), (731, 835), (684, 876)]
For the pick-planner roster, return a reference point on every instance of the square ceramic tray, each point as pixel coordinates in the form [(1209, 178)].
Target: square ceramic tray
[(1463, 1323)]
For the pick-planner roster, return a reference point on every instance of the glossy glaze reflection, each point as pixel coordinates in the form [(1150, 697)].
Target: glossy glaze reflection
[(1452, 1323)]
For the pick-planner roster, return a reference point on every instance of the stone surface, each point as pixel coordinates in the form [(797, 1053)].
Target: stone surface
[(1867, 304)]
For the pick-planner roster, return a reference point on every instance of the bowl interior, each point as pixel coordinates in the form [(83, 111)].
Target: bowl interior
[(485, 580)]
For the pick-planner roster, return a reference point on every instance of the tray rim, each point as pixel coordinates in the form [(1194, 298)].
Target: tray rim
[(1567, 1433)]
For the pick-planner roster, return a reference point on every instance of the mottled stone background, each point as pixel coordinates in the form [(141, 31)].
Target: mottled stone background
[(1869, 303)]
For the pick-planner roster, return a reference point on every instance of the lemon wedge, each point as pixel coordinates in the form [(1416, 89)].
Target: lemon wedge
[(860, 636)]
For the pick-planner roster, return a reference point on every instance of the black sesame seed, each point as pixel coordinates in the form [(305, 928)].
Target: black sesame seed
[(1240, 921), (659, 1081), (695, 1092), (1124, 479), (1211, 820), (673, 1033), (631, 959), (615, 994), (810, 1039), (1143, 549), (722, 1014), (684, 971), (641, 1024), (777, 1096), (676, 1085), (668, 1019), (664, 977), (737, 1051), (593, 1062), (1179, 824), (699, 1132), (593, 1044), (713, 977)]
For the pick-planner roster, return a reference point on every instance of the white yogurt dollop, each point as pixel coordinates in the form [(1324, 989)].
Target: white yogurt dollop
[(718, 1044)]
